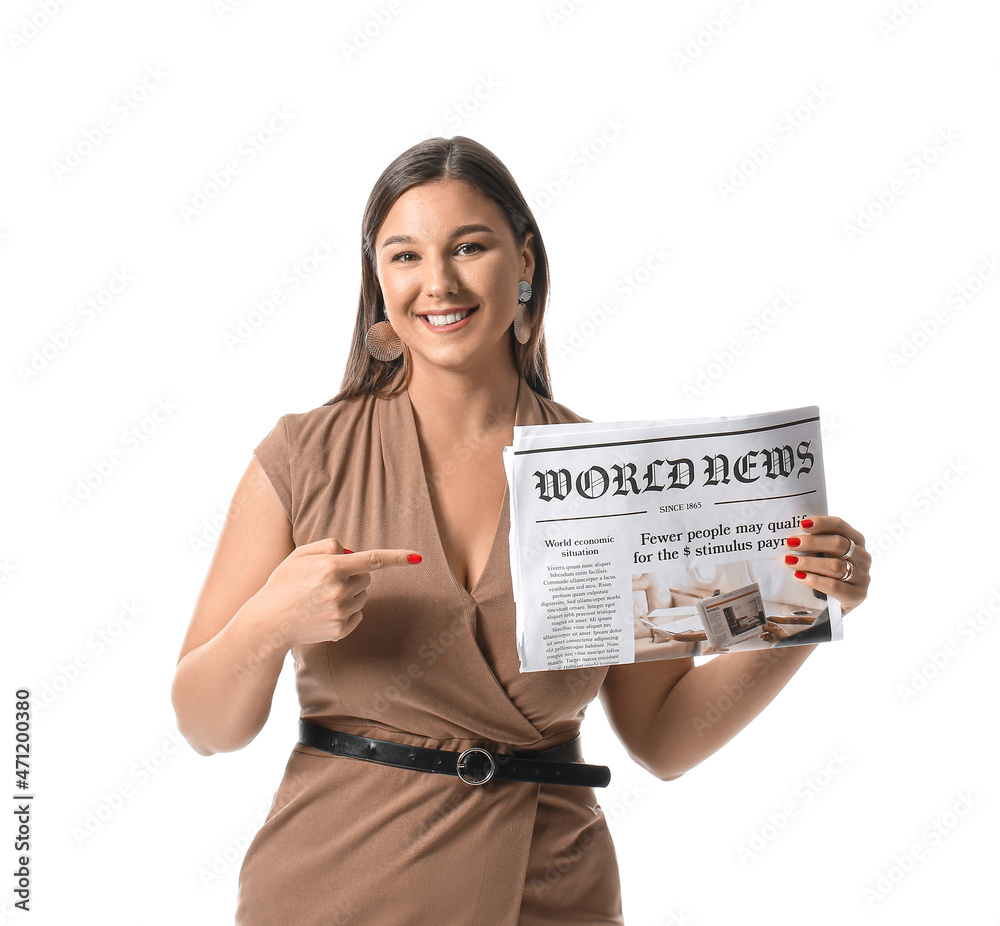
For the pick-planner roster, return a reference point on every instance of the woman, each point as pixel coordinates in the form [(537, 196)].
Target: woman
[(406, 647)]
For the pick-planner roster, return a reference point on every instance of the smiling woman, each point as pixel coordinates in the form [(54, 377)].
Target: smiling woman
[(433, 781), (446, 206), (447, 276)]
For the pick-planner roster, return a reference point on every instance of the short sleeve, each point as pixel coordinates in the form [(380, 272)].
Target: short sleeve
[(273, 455)]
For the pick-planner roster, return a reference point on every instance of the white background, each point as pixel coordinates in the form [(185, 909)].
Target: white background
[(909, 453)]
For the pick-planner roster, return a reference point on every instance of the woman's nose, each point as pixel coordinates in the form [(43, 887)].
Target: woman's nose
[(440, 277)]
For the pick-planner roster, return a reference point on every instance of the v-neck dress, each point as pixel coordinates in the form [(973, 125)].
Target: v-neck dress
[(430, 664)]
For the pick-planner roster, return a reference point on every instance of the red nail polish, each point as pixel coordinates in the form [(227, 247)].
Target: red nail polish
[(807, 522), (799, 574), (414, 558), (347, 551), (793, 541), (791, 560)]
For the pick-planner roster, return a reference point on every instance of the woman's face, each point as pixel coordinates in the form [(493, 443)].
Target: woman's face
[(445, 247)]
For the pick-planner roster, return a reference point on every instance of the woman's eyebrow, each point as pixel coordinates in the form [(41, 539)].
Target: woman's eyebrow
[(454, 233)]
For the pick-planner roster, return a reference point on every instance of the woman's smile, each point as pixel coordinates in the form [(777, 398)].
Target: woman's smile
[(447, 320)]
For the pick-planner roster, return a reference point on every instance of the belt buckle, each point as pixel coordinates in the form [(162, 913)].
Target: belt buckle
[(460, 766)]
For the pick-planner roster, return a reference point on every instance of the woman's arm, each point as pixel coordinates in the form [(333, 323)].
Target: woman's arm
[(263, 595), (233, 652), (670, 715)]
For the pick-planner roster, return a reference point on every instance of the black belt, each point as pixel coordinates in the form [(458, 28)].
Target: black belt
[(474, 766)]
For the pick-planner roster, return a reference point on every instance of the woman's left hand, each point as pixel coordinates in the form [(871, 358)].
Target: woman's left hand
[(842, 571)]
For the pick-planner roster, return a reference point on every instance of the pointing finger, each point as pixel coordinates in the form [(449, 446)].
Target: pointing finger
[(368, 560)]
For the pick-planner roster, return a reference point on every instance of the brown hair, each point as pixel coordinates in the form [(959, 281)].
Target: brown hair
[(457, 158)]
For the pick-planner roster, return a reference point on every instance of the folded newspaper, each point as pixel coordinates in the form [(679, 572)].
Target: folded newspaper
[(641, 540)]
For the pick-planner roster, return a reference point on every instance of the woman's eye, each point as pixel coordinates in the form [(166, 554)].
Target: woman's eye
[(403, 256)]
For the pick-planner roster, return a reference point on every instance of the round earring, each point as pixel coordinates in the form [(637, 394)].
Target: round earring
[(382, 341), (522, 330)]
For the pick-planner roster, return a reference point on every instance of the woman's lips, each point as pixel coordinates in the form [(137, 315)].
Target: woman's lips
[(453, 325)]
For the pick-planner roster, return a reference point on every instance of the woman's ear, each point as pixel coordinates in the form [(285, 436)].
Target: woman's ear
[(528, 255)]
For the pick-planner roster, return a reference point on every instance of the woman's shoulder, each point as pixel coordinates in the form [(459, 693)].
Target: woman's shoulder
[(302, 448), (556, 413), (319, 422)]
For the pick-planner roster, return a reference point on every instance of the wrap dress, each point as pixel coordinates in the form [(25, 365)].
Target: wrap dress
[(348, 841)]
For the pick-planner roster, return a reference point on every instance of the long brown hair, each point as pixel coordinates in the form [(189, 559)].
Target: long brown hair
[(457, 158)]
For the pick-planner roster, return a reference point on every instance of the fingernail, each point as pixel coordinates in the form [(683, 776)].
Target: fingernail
[(347, 551), (799, 574), (793, 541), (807, 523), (414, 558), (791, 560)]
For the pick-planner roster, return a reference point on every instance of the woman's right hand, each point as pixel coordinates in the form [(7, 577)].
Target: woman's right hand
[(317, 593)]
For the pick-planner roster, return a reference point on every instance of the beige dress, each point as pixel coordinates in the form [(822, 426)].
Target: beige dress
[(352, 842)]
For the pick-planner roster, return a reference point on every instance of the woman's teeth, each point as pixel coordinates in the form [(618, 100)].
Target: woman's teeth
[(438, 320)]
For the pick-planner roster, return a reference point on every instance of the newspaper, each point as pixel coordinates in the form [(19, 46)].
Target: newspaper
[(640, 540)]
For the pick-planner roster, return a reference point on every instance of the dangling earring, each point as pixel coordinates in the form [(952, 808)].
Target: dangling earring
[(382, 341), (522, 330)]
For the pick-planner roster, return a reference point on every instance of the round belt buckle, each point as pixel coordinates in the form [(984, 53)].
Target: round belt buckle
[(460, 766)]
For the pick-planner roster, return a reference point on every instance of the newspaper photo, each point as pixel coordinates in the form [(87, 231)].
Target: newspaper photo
[(640, 540)]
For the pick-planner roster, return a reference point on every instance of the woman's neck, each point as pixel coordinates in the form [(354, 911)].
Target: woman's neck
[(449, 404)]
